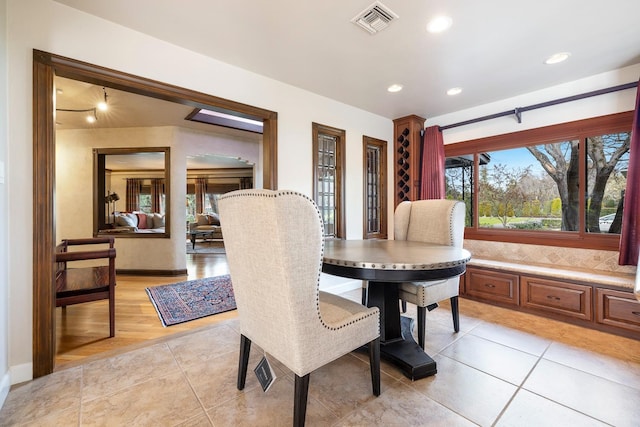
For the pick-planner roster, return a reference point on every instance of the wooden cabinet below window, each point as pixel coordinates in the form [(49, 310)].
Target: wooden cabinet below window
[(553, 296), (580, 302), (618, 309), (492, 285)]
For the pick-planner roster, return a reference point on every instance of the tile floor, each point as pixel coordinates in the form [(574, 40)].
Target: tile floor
[(502, 369)]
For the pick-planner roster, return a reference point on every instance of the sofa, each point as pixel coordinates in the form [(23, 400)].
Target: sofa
[(207, 222), (137, 222)]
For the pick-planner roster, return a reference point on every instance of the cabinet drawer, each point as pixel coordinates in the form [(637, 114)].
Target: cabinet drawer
[(553, 296), (502, 287), (618, 308)]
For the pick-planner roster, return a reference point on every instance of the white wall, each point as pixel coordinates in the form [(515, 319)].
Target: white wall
[(51, 27), (5, 380)]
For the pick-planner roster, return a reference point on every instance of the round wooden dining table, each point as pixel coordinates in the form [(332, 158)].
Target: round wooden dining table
[(385, 264)]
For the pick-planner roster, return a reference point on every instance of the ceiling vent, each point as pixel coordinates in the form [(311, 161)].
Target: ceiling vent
[(375, 18)]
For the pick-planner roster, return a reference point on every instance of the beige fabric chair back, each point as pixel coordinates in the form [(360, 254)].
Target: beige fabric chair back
[(432, 221), (279, 236)]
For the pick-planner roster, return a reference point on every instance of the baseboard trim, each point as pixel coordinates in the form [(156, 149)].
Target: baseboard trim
[(152, 272), (5, 385), (21, 373)]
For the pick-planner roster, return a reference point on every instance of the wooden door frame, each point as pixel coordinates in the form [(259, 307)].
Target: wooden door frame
[(46, 67)]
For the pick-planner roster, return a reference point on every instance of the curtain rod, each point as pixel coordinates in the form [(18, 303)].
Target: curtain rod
[(519, 110)]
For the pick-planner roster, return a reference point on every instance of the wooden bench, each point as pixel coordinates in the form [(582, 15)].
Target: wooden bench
[(592, 298), (85, 284)]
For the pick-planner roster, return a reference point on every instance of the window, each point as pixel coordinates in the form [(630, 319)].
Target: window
[(375, 188), (328, 167), (211, 197), (560, 185)]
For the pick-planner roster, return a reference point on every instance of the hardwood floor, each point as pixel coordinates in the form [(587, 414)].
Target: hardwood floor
[(83, 329)]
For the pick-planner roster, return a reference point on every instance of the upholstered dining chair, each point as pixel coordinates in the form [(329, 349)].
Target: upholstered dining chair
[(431, 221), (274, 245)]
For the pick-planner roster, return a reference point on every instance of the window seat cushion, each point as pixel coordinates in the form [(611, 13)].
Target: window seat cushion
[(596, 277)]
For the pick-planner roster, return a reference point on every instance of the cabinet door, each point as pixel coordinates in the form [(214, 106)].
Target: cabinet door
[(558, 297), (618, 308), (492, 285)]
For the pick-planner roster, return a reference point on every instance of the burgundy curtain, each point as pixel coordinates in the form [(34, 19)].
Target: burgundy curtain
[(157, 190), (629, 237), (432, 170), (201, 191), (134, 185)]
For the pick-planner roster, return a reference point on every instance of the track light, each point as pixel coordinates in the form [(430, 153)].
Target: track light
[(102, 105), (92, 117)]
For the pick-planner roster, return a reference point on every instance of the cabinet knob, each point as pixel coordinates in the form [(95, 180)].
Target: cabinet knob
[(489, 285), (553, 297)]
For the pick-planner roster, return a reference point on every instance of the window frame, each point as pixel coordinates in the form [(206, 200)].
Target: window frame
[(340, 135), (580, 130), (381, 145)]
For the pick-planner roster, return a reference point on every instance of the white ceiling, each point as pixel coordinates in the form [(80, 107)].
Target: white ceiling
[(494, 50)]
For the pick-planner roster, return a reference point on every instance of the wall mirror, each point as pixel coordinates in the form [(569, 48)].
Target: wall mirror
[(132, 192)]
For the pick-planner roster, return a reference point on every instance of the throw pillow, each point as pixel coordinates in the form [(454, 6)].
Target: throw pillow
[(158, 220), (127, 220), (213, 218), (202, 219), (142, 220)]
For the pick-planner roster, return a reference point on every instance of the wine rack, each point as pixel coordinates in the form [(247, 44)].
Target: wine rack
[(407, 144)]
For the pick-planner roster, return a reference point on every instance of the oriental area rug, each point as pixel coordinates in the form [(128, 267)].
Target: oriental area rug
[(193, 299)]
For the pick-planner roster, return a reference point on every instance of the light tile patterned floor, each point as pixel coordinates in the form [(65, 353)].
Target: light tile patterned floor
[(503, 368)]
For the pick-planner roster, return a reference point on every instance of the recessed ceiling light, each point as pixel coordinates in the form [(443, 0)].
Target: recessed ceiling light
[(557, 57), (394, 88), (439, 24), (454, 91)]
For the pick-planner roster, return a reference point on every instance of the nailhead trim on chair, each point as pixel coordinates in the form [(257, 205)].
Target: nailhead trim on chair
[(451, 222), (278, 193)]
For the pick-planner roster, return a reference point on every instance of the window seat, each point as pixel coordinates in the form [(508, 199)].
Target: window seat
[(587, 297), (596, 277)]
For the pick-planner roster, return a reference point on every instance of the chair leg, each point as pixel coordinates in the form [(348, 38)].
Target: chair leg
[(455, 312), (422, 318), (364, 296), (112, 316), (374, 362), (300, 402), (245, 349)]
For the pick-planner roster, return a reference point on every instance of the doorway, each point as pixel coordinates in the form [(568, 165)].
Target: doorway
[(45, 67)]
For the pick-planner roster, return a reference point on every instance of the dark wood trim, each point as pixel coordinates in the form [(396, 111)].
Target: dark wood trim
[(152, 272), (270, 151), (547, 134), (45, 67), (44, 238), (382, 146), (341, 136)]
